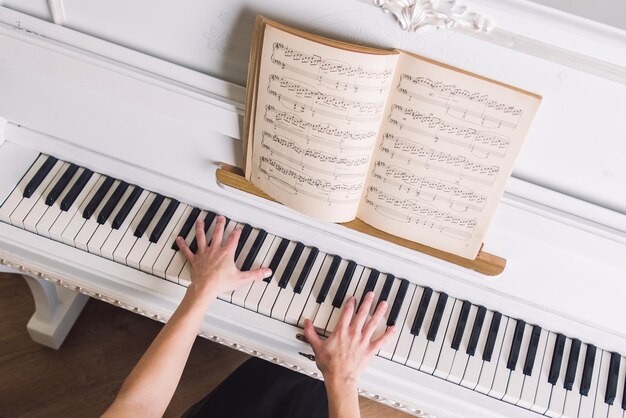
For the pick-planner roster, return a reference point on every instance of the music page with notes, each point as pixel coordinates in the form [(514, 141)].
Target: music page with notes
[(446, 147), (316, 117)]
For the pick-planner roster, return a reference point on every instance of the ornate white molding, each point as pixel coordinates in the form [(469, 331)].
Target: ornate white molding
[(416, 14), (215, 338)]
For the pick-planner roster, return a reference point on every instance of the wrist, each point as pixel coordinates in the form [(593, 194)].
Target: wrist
[(341, 382), (200, 294)]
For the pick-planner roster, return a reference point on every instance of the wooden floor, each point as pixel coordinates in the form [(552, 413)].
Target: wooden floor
[(82, 378)]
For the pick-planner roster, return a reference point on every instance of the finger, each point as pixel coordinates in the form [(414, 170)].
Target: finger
[(184, 248), (200, 235), (346, 315), (256, 274), (232, 240), (363, 312), (378, 343), (373, 322), (313, 339), (218, 232)]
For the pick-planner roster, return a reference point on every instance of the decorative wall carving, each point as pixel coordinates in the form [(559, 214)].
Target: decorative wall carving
[(416, 14)]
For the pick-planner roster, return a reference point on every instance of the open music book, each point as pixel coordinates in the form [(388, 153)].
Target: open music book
[(413, 147)]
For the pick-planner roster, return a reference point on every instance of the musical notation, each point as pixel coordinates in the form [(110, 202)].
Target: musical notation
[(428, 189), (334, 74), (418, 214), (291, 93), (475, 108), (482, 144), (412, 152), (320, 133)]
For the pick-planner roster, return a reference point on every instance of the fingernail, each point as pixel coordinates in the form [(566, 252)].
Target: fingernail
[(370, 295), (220, 218), (267, 273)]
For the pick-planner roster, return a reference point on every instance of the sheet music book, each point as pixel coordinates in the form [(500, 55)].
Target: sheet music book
[(413, 147)]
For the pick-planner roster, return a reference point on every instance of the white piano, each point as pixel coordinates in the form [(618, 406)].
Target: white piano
[(107, 153)]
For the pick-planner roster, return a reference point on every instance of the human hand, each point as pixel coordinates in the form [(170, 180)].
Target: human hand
[(345, 354), (213, 267)]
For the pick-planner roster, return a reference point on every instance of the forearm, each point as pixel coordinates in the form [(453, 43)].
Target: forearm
[(149, 388), (343, 399)]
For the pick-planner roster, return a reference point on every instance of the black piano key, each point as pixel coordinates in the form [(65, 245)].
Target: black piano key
[(164, 221), (108, 207), (476, 329), (421, 311), (370, 285), (533, 344), (243, 238), (254, 250), (590, 358), (61, 184), (516, 344), (184, 231), (208, 220), (340, 295), (438, 314), (291, 265), (278, 256), (624, 396), (96, 199), (557, 359), (126, 208), (332, 271), (39, 176), (78, 187), (611, 383), (384, 292), (491, 336), (460, 325), (397, 303), (149, 215), (306, 270), (572, 363)]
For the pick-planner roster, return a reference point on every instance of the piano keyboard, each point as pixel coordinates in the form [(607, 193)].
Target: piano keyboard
[(452, 339)]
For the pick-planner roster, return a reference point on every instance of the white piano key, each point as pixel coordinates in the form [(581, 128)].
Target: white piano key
[(433, 349), (456, 371), (163, 259), (65, 217), (76, 223), (446, 356), (239, 295), (128, 239), (587, 402), (16, 196), (529, 388), (115, 235), (258, 287), (572, 399), (405, 340), (382, 326), (544, 389), (272, 289), (175, 267), (281, 305), (54, 211), (418, 348), (166, 239), (326, 308), (377, 290), (615, 410), (22, 210), (474, 364), (601, 408), (501, 377), (311, 306), (354, 283), (390, 346), (488, 371), (516, 381), (299, 300), (39, 208), (90, 225), (557, 398), (245, 250), (141, 244), (101, 235)]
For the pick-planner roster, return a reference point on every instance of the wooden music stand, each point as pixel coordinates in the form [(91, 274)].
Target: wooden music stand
[(485, 263)]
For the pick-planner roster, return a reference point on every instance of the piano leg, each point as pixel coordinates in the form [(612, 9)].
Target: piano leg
[(56, 310)]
